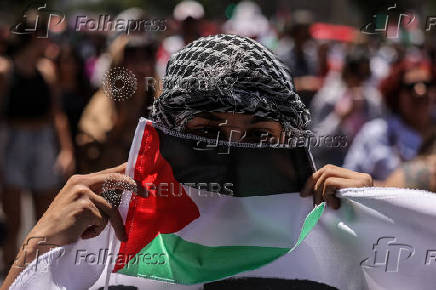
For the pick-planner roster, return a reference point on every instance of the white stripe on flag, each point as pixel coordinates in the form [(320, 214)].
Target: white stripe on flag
[(269, 221)]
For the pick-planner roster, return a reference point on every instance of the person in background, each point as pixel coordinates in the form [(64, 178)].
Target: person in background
[(418, 173), (248, 20), (4, 63), (384, 143), (302, 55), (73, 85), (39, 150), (112, 122), (188, 16), (301, 58), (341, 108)]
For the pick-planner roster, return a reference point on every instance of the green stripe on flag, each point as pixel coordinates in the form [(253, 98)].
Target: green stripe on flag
[(190, 263), (310, 221), (170, 258)]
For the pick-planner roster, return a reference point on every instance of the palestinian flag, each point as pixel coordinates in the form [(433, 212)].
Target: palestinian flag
[(380, 238), (212, 209)]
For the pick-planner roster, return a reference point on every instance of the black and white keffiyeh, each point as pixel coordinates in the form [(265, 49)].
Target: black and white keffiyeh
[(229, 73)]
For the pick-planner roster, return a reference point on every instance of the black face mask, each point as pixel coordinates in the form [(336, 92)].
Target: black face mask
[(251, 169)]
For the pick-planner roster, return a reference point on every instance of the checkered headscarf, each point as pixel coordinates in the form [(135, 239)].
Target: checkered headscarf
[(228, 73)]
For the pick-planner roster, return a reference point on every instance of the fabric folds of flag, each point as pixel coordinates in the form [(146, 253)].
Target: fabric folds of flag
[(211, 210)]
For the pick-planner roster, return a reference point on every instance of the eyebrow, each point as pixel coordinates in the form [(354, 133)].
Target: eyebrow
[(210, 116), (257, 119)]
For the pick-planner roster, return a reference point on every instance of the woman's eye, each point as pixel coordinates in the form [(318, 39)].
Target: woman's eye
[(208, 132), (255, 136)]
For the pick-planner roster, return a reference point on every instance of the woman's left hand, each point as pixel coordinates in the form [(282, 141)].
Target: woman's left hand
[(324, 183)]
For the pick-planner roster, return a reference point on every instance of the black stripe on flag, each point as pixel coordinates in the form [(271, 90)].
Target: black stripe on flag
[(247, 171)]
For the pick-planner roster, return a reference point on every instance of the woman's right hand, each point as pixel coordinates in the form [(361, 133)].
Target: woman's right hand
[(79, 210)]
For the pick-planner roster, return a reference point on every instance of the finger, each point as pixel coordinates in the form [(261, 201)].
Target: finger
[(331, 171), (87, 178), (93, 215), (317, 195), (102, 219), (95, 230), (329, 191), (319, 178), (117, 181), (112, 213), (98, 229), (318, 188), (308, 187), (317, 198), (339, 171), (89, 233), (323, 169), (118, 169), (318, 173), (92, 218), (111, 181), (333, 184)]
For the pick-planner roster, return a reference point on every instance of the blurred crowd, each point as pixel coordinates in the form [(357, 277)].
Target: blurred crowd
[(372, 99)]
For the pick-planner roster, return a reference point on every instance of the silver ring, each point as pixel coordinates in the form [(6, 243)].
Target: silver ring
[(113, 197)]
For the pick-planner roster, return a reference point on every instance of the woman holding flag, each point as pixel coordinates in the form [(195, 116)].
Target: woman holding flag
[(247, 96)]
